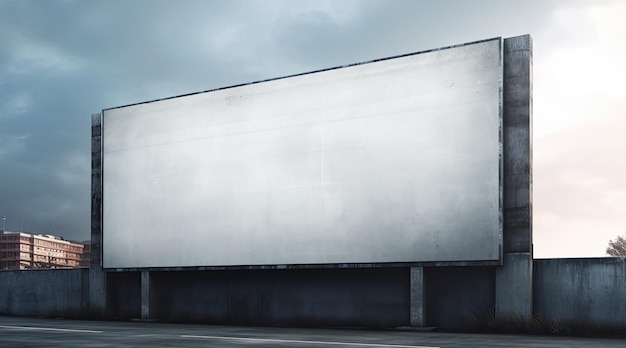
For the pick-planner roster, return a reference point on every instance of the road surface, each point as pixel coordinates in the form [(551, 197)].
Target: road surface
[(36, 332)]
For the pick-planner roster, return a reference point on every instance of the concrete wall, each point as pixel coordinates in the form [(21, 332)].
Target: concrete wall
[(123, 295), (581, 293), (313, 297), (44, 292), (458, 298), (580, 296), (569, 294)]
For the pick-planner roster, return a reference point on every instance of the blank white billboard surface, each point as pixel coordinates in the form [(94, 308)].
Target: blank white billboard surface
[(396, 160)]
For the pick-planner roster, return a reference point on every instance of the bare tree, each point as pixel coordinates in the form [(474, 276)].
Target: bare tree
[(617, 247)]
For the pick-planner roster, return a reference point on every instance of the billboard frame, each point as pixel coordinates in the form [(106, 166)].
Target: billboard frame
[(97, 189)]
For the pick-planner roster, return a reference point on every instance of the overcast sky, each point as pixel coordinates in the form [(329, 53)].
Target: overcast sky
[(61, 61)]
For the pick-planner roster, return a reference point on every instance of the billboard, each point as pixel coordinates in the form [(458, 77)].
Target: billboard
[(394, 160)]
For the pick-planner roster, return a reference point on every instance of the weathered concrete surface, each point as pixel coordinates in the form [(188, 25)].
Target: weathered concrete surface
[(570, 294), (514, 288), (97, 278), (517, 144), (458, 298), (318, 297), (123, 295), (514, 278), (145, 294), (417, 296), (44, 292), (584, 293)]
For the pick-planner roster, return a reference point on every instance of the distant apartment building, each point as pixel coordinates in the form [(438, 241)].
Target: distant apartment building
[(19, 250)]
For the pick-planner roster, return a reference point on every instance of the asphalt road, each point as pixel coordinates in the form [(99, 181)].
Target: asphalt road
[(35, 332)]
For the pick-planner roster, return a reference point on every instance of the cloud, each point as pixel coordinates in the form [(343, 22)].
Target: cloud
[(30, 56), (579, 193), (580, 198), (11, 146), (580, 62), (24, 53), (15, 104)]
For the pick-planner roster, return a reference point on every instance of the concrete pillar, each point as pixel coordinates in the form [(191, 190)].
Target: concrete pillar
[(417, 297), (514, 290), (97, 277), (145, 294), (514, 280), (97, 292)]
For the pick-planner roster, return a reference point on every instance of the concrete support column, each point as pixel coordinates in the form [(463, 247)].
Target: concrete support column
[(145, 295), (97, 277), (417, 297), (514, 280), (514, 288), (97, 292)]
